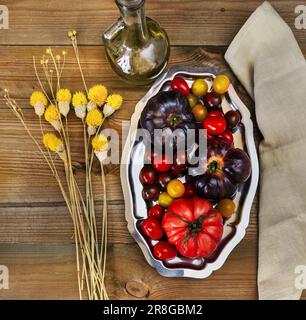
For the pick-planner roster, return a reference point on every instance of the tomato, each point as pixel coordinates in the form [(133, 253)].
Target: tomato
[(189, 189), (179, 166), (193, 227), (192, 99), (164, 178), (147, 175), (226, 207), (150, 192), (212, 101), (199, 112), (180, 85), (227, 136), (156, 212), (161, 163), (175, 188), (152, 228), (232, 118), (165, 199), (215, 114), (215, 125), (221, 84), (163, 251), (199, 88)]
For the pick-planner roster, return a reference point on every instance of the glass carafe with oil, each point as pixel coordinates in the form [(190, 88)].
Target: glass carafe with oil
[(136, 46)]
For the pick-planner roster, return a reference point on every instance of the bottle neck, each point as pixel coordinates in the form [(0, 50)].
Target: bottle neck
[(133, 15)]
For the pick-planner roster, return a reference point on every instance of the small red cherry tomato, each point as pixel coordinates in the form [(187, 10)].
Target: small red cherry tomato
[(156, 212), (152, 228), (161, 163), (163, 251), (214, 125), (179, 84), (189, 189), (215, 114), (227, 136), (147, 175)]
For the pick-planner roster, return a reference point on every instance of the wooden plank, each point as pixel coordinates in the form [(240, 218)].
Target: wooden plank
[(37, 271), (189, 22)]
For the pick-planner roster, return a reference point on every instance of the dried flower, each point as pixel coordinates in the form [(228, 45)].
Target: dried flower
[(94, 119), (113, 103), (97, 94), (63, 97), (100, 145), (39, 101), (55, 144), (53, 116), (79, 101)]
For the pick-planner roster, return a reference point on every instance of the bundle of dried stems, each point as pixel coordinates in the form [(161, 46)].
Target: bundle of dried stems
[(92, 107)]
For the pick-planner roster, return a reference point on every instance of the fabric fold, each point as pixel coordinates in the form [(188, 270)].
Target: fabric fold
[(269, 63)]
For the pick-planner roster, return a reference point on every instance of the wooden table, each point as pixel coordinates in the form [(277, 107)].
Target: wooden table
[(35, 229)]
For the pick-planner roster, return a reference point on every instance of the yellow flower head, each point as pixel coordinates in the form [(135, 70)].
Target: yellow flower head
[(97, 94), (52, 113), (94, 118), (78, 99), (51, 141), (38, 96), (115, 101), (63, 95), (99, 142)]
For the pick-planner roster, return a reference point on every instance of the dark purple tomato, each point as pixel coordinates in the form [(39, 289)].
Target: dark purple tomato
[(212, 101), (232, 118), (147, 175), (164, 178), (150, 192)]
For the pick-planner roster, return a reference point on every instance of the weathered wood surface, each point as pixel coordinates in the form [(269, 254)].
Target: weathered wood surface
[(188, 22), (35, 230)]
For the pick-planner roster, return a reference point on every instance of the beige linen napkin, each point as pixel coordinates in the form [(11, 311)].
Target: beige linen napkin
[(267, 60)]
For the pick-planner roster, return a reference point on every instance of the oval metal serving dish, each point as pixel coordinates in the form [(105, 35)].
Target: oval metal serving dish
[(135, 207)]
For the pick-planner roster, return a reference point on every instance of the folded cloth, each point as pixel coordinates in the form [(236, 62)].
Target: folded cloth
[(267, 60)]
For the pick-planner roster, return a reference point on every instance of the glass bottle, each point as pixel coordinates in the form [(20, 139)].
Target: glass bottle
[(136, 46)]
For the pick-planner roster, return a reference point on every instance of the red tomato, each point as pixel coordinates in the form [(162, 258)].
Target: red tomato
[(193, 227), (156, 212), (215, 114), (152, 228), (163, 251), (227, 136), (179, 84), (161, 163), (214, 125)]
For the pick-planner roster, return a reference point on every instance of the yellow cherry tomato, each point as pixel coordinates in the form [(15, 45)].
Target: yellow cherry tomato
[(175, 188), (165, 200), (199, 88), (226, 207), (200, 112), (192, 99), (221, 84)]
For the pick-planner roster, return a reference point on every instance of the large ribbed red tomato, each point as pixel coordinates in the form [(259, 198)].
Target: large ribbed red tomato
[(193, 226)]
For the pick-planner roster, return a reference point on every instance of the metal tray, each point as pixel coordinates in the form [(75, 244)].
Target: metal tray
[(135, 207)]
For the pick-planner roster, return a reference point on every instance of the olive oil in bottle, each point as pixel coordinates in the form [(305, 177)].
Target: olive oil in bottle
[(136, 46)]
